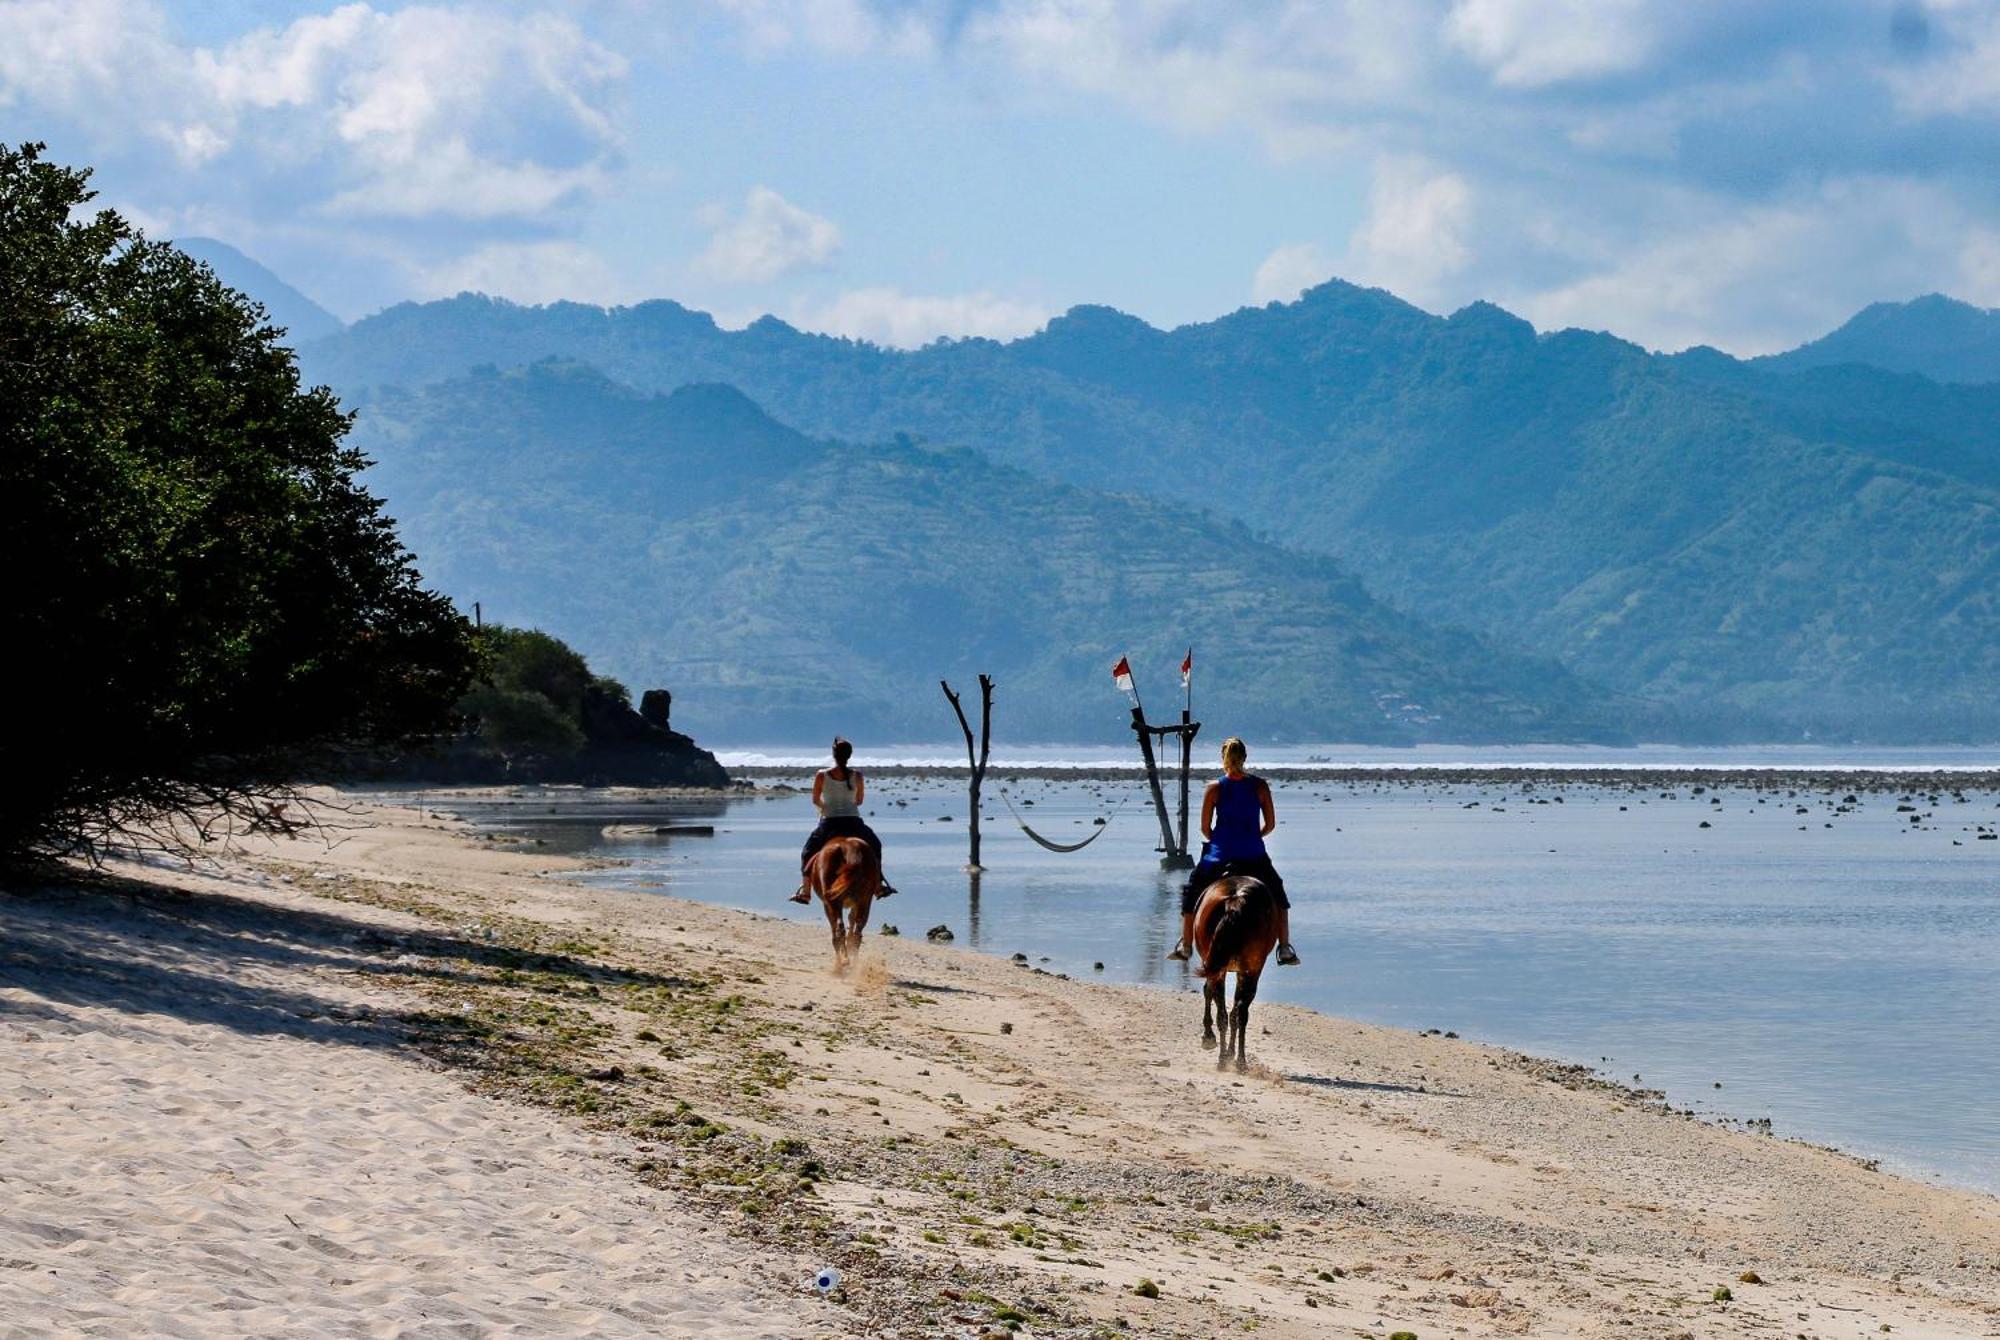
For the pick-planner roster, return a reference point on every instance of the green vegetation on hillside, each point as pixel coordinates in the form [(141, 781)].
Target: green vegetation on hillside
[(1757, 553), (206, 602), (1934, 336), (787, 587), (531, 698)]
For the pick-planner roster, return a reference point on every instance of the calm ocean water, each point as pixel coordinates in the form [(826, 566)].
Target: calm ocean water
[(1842, 981)]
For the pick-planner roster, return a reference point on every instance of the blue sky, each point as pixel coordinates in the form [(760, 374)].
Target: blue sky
[(1707, 171)]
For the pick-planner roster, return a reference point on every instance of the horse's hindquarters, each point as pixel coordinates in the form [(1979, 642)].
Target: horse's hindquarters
[(846, 876)]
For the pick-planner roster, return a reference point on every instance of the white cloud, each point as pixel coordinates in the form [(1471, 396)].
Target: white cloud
[(840, 27), (65, 49), (1414, 235), (1671, 169), (1979, 267), (432, 110), (1535, 43), (420, 111), (530, 272), (908, 320), (770, 237), (1298, 75), (1964, 77), (107, 63), (1289, 271), (1759, 278)]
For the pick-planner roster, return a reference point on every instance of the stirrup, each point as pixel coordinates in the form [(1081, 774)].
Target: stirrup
[(1179, 953), (1288, 956), (804, 895), (888, 890)]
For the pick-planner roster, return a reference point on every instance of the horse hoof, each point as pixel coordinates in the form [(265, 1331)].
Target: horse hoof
[(1208, 1040)]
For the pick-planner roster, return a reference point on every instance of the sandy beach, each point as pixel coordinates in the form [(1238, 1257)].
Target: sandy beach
[(411, 1085)]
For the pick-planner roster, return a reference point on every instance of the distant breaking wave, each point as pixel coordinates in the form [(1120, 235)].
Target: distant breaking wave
[(1310, 757)]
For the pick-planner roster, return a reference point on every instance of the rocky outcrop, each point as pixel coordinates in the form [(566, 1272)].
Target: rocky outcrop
[(656, 706), (622, 747), (628, 748)]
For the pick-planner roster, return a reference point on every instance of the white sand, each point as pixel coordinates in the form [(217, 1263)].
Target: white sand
[(194, 1143)]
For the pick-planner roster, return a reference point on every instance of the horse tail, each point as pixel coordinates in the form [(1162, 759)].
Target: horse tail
[(1243, 917), (842, 870), (834, 871)]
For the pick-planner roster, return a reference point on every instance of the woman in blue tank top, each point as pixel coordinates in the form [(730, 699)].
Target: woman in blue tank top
[(1236, 816)]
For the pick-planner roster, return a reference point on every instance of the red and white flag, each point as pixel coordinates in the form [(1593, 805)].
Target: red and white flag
[(1187, 667), (1121, 675)]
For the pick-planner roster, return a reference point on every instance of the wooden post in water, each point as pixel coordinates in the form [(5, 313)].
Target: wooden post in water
[(1189, 727), (1145, 734), (1174, 852), (976, 762)]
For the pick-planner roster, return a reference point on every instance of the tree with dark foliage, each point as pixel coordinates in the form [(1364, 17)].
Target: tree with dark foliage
[(205, 605)]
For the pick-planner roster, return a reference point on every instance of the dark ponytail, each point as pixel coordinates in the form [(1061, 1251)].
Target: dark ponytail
[(842, 751)]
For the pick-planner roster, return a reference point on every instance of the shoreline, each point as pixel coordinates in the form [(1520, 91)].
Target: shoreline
[(500, 813), (1575, 1070), (966, 1176)]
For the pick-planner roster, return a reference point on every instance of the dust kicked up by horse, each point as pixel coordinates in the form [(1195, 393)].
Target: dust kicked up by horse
[(846, 877)]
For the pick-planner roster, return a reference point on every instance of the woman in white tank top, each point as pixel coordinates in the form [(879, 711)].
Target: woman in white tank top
[(837, 794)]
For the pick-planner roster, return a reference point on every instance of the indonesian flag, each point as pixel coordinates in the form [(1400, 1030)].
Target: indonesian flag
[(1187, 667), (1121, 675)]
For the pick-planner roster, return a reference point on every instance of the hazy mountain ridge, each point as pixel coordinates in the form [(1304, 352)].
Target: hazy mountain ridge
[(1813, 549), (303, 319), (1934, 336), (781, 585)]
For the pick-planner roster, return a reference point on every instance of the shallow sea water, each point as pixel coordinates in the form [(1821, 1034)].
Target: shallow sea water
[(1843, 981)]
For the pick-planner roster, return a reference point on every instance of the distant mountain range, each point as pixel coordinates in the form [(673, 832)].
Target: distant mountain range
[(1756, 551), (302, 318), (1777, 548), (786, 587), (1933, 336)]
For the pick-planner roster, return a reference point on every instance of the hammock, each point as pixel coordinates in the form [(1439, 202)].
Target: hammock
[(1060, 847)]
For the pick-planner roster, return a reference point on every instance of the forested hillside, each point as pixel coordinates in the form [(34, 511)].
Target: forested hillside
[(1934, 336), (1760, 551), (783, 586)]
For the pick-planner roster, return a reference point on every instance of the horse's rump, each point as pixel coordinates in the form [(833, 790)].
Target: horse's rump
[(845, 865), (1233, 914)]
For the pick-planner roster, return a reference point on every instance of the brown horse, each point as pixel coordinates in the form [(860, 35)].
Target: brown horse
[(847, 877), (1235, 930)]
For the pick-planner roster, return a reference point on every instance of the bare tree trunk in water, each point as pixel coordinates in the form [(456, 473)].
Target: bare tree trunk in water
[(976, 761)]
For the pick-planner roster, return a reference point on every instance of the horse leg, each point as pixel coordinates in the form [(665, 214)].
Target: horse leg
[(1246, 991), (857, 918), (1208, 1008), (833, 924), (1222, 1020)]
